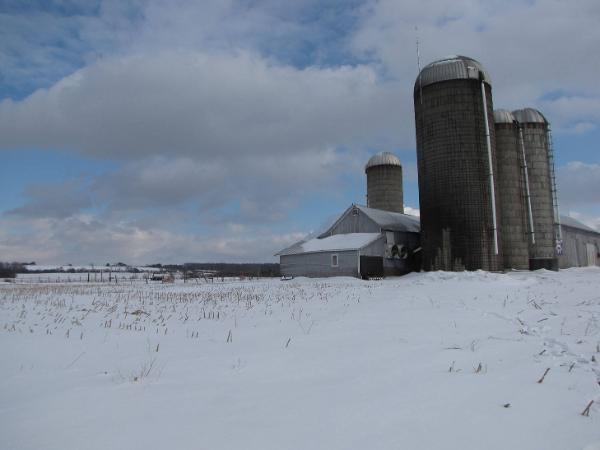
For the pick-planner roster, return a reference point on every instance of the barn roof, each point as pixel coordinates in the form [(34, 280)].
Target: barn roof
[(386, 220), (393, 221), (336, 242), (573, 223)]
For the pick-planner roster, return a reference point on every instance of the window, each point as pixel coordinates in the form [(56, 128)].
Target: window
[(334, 260)]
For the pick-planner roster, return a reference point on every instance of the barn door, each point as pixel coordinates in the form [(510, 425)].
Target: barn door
[(591, 254), (371, 267)]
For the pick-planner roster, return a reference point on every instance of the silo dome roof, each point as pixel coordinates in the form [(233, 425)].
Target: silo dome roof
[(454, 67), (529, 115), (503, 116), (383, 159)]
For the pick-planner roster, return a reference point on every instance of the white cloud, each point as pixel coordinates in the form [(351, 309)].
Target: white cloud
[(531, 49), (82, 239), (579, 185), (412, 211), (207, 128), (200, 105), (54, 200), (586, 219)]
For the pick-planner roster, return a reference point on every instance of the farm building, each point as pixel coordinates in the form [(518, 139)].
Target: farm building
[(580, 244), (487, 193), (362, 242)]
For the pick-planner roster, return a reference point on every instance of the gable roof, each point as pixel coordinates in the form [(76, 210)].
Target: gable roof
[(386, 220), (393, 221), (573, 223), (336, 242)]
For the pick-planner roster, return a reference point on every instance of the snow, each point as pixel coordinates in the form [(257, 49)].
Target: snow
[(350, 241), (389, 220), (574, 223), (328, 363), (64, 268)]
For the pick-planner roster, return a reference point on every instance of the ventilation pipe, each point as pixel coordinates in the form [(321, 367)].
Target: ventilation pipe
[(490, 164)]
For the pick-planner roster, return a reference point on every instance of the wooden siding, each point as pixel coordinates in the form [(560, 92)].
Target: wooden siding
[(574, 247), (319, 264), (355, 223)]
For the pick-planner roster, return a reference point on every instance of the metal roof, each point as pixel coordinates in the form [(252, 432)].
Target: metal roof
[(392, 221), (383, 159), (568, 221), (334, 243), (386, 220), (529, 115), (503, 116), (451, 68)]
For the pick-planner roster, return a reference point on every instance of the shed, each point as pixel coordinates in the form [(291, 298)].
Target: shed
[(580, 244), (337, 255)]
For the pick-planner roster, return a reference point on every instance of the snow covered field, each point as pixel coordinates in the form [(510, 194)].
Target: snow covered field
[(426, 361)]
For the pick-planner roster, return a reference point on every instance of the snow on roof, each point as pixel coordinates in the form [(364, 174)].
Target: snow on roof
[(337, 242), (392, 221), (573, 223), (386, 220)]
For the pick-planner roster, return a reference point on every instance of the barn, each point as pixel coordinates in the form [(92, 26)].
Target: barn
[(363, 242), (580, 244)]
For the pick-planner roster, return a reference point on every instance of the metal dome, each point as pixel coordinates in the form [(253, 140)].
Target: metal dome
[(383, 159), (503, 116), (529, 115), (451, 68)]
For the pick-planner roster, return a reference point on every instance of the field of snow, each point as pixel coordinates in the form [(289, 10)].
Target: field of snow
[(426, 361)]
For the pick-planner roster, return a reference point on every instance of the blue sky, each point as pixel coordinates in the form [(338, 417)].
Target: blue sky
[(146, 131)]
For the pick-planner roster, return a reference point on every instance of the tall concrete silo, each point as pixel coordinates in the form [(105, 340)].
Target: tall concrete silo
[(513, 192), (457, 164), (536, 145), (384, 182)]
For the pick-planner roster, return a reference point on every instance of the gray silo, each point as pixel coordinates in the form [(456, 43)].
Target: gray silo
[(384, 182), (536, 145), (513, 192), (457, 164)]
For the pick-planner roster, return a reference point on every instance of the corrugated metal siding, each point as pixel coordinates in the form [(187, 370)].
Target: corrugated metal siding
[(574, 247), (319, 264)]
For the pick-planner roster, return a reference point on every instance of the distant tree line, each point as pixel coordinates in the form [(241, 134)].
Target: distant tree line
[(11, 269), (226, 269)]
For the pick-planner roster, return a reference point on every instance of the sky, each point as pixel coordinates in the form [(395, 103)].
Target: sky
[(224, 130)]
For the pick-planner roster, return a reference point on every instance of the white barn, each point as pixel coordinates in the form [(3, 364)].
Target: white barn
[(580, 244), (362, 242)]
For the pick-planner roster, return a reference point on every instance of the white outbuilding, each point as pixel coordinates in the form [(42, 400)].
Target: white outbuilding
[(363, 242)]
